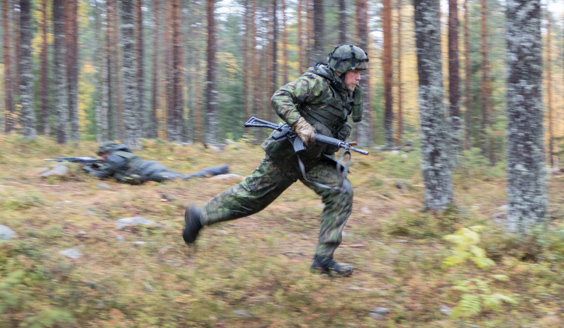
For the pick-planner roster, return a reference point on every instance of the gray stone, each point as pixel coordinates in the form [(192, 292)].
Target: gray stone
[(241, 313), (71, 253), (103, 185), (380, 310), (376, 316), (120, 238), (134, 221), (58, 169), (6, 233), (445, 310)]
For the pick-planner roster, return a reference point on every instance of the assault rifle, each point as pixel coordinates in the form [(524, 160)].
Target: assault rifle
[(284, 130), (81, 160), (89, 164)]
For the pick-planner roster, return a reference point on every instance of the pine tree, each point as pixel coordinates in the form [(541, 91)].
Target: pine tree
[(130, 99), (526, 176), (434, 137), (61, 91), (26, 71), (212, 123)]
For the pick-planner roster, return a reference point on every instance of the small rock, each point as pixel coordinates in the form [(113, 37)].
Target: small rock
[(223, 232), (365, 210), (103, 185), (139, 243), (241, 313), (445, 309), (120, 238), (134, 221), (6, 233), (380, 310), (502, 208), (376, 316), (58, 169), (71, 253), (89, 212), (345, 234)]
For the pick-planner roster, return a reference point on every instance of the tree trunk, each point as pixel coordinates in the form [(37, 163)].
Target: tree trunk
[(130, 99), (549, 90), (399, 131), (153, 122), (109, 81), (436, 168), (300, 36), (454, 81), (212, 124), (61, 91), (9, 111), (26, 64), (388, 72), (342, 21), (468, 76), (256, 86), (364, 131), (140, 73), (44, 79), (274, 55), (101, 78), (284, 45), (177, 99), (319, 53), (526, 176), (71, 38), (246, 40), (484, 85)]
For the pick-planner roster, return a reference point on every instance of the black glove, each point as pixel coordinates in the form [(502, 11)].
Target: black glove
[(88, 168)]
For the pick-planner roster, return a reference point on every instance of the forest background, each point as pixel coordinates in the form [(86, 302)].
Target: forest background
[(192, 85)]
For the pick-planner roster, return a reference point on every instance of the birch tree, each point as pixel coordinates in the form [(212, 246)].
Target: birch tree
[(526, 176), (130, 99), (434, 137), (26, 80)]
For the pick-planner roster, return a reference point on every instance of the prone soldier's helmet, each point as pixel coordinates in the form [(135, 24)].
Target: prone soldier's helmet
[(347, 57), (106, 147)]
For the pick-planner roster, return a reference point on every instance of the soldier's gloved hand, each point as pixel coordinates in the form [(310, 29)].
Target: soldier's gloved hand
[(305, 131), (88, 169)]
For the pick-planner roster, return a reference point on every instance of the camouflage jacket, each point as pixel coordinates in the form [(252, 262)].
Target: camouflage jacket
[(322, 100)]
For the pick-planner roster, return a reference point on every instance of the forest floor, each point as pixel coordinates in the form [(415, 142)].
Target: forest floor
[(254, 272)]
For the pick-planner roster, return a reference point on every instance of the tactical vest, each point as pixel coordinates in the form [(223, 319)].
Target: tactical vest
[(329, 115), (126, 172)]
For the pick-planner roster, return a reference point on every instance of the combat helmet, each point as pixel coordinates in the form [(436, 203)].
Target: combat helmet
[(347, 57), (106, 147)]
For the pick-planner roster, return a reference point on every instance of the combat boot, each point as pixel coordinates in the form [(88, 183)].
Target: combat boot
[(193, 225), (326, 265)]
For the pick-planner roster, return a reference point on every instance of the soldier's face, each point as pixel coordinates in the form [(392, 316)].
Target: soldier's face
[(105, 155), (352, 79)]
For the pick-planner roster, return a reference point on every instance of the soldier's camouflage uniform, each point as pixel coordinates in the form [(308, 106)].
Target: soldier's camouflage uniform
[(322, 99), (127, 167)]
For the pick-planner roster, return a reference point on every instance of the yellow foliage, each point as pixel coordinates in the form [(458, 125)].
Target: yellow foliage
[(228, 59)]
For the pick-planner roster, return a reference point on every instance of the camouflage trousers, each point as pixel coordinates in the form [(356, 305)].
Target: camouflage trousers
[(268, 181)]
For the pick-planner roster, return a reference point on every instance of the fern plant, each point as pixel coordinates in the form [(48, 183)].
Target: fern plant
[(476, 296)]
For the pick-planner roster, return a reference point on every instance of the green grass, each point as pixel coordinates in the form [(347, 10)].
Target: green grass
[(254, 272)]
